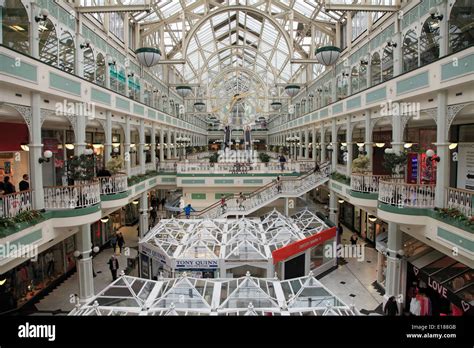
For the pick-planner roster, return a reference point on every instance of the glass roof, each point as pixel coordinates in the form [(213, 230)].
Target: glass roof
[(246, 296)]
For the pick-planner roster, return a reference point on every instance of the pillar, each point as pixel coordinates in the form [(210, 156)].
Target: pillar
[(153, 146), (84, 264), (300, 145), (315, 155), (394, 267), (442, 149), (143, 214), (306, 143), (333, 206), (334, 144), (108, 137), (168, 148), (80, 133), (175, 145), (36, 152), (323, 144), (369, 145), (287, 209), (349, 147), (126, 145), (162, 145), (141, 147)]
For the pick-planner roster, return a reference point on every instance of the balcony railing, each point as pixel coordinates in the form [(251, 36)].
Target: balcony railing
[(150, 167), (110, 185), (461, 200), (16, 203), (135, 170), (168, 167), (397, 192), (366, 183), (72, 197), (238, 168)]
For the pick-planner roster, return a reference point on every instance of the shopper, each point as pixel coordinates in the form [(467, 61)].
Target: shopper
[(153, 216), (113, 242), (354, 239), (282, 160), (241, 201), (188, 211), (113, 266), (120, 241), (223, 204), (24, 185), (278, 184), (391, 307), (8, 186), (316, 169)]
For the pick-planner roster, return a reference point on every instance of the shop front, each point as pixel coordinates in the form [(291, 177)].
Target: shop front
[(197, 268), (22, 284), (439, 285)]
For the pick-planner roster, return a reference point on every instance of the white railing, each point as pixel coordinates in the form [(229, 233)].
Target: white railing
[(168, 167), (110, 185), (366, 183), (461, 200), (268, 193), (135, 171), (397, 192), (238, 168), (16, 203), (72, 197), (198, 156), (150, 167)]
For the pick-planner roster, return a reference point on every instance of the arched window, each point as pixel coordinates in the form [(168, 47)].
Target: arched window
[(461, 25), (341, 87), (66, 52), (48, 43), (100, 73), (362, 77), (355, 80), (387, 63), (89, 65), (375, 66), (410, 51), (429, 41), (15, 26)]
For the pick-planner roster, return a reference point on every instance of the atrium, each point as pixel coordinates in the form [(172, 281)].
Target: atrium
[(237, 158)]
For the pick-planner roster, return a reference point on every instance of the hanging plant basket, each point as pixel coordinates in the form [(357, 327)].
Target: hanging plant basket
[(199, 106), (292, 90), (148, 56), (328, 55), (184, 91), (276, 105)]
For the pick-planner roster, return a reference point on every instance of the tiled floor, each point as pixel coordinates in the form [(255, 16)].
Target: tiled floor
[(60, 298)]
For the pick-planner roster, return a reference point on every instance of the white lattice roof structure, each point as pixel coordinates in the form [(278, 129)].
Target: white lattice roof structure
[(246, 296)]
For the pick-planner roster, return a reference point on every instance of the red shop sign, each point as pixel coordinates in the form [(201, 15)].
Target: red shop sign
[(302, 245)]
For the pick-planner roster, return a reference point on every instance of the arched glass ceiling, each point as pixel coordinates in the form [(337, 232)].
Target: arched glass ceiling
[(163, 27)]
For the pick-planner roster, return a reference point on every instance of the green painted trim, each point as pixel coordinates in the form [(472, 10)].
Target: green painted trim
[(336, 186), (100, 96), (64, 84), (76, 212), (327, 48), (253, 181), (122, 104), (463, 66), (30, 238), (139, 187), (378, 94), (353, 103), (152, 114), (324, 112), (9, 66), (361, 195), (413, 83), (336, 109), (237, 175), (116, 196), (138, 109), (198, 196), (456, 239), (173, 180), (148, 50), (223, 181), (403, 210), (217, 196), (193, 182), (152, 182)]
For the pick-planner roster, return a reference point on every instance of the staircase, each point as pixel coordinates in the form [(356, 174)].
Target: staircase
[(288, 187)]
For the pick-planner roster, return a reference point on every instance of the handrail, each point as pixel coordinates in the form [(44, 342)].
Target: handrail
[(366, 183), (117, 183), (460, 199), (16, 203), (396, 192), (72, 197)]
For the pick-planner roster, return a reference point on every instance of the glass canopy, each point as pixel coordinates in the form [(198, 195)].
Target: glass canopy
[(188, 296)]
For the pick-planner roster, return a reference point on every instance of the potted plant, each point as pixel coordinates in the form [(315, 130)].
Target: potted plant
[(360, 164), (395, 163), (114, 165), (81, 168), (264, 158)]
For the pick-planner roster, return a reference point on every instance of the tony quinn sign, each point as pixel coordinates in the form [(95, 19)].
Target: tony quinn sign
[(197, 264)]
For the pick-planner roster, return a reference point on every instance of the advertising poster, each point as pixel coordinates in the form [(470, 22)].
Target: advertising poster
[(466, 166)]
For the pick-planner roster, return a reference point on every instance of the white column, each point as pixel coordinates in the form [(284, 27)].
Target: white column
[(126, 145), (143, 214), (323, 144), (108, 136), (36, 152), (394, 267), (397, 140), (84, 264), (349, 147), (34, 31), (306, 144), (175, 145), (141, 147), (315, 155), (368, 140), (333, 206), (79, 52), (442, 148), (334, 144), (397, 51), (153, 145), (299, 148), (168, 148), (162, 145), (80, 130)]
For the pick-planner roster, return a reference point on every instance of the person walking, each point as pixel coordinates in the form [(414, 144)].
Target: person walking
[(187, 210), (241, 201), (317, 169), (8, 186), (113, 266), (278, 184), (391, 307), (153, 216), (354, 239), (223, 204), (120, 241), (282, 160), (24, 185), (113, 242)]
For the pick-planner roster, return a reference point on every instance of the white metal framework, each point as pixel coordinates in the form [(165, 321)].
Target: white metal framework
[(245, 296)]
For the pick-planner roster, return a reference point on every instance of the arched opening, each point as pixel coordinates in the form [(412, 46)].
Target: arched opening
[(342, 87), (461, 25), (355, 80), (387, 63), (410, 51), (362, 77), (15, 26), (66, 52), (429, 41), (100, 72), (89, 65), (375, 67), (48, 43), (382, 139)]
